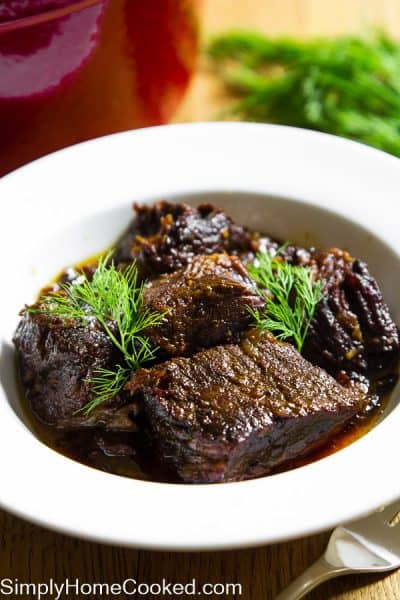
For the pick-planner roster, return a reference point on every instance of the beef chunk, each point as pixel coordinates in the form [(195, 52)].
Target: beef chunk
[(295, 255), (352, 329), (239, 411), (207, 304), (56, 359), (165, 237), (147, 223)]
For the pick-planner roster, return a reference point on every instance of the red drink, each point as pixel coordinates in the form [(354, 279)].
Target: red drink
[(70, 71)]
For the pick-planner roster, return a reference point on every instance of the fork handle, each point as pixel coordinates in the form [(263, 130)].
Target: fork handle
[(316, 574)]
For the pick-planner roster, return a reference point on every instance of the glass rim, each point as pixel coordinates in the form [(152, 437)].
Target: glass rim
[(50, 15)]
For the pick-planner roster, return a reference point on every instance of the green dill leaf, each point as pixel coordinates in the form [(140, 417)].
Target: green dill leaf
[(105, 385), (114, 298), (291, 296)]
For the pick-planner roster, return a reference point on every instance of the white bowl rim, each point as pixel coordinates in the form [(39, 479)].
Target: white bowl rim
[(61, 494)]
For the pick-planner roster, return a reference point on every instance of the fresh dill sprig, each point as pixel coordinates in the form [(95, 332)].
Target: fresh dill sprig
[(105, 384), (291, 296), (114, 298), (348, 86)]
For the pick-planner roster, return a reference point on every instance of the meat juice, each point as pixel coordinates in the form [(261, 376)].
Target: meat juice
[(71, 71)]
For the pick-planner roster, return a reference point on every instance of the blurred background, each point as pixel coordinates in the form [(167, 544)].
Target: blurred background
[(71, 70), (300, 19)]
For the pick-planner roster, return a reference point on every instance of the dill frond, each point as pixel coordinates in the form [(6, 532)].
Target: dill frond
[(114, 298), (348, 85), (291, 296)]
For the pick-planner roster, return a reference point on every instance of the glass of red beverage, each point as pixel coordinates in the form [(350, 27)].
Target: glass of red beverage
[(74, 70)]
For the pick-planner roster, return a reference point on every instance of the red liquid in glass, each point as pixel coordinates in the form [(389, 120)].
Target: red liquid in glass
[(73, 71)]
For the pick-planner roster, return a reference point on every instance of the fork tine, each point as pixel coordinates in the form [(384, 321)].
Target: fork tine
[(390, 511)]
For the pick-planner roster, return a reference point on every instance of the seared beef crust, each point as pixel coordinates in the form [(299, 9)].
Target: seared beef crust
[(352, 330), (205, 304), (56, 358), (166, 237), (240, 411)]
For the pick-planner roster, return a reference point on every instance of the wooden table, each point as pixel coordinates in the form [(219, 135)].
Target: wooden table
[(31, 553)]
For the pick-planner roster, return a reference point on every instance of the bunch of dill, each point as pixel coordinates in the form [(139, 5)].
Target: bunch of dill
[(348, 86)]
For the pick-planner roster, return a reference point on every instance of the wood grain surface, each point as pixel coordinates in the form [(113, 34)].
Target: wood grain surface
[(30, 553)]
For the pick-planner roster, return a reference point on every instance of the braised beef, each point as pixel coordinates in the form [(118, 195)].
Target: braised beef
[(239, 411), (211, 412), (146, 223), (352, 329), (165, 237), (205, 303), (56, 359)]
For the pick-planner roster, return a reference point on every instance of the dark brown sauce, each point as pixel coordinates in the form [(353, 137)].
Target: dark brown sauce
[(357, 428), (74, 445), (142, 467)]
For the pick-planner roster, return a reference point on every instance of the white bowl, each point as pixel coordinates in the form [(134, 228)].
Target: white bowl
[(294, 184)]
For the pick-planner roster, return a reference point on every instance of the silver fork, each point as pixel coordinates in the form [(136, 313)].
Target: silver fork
[(371, 544)]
